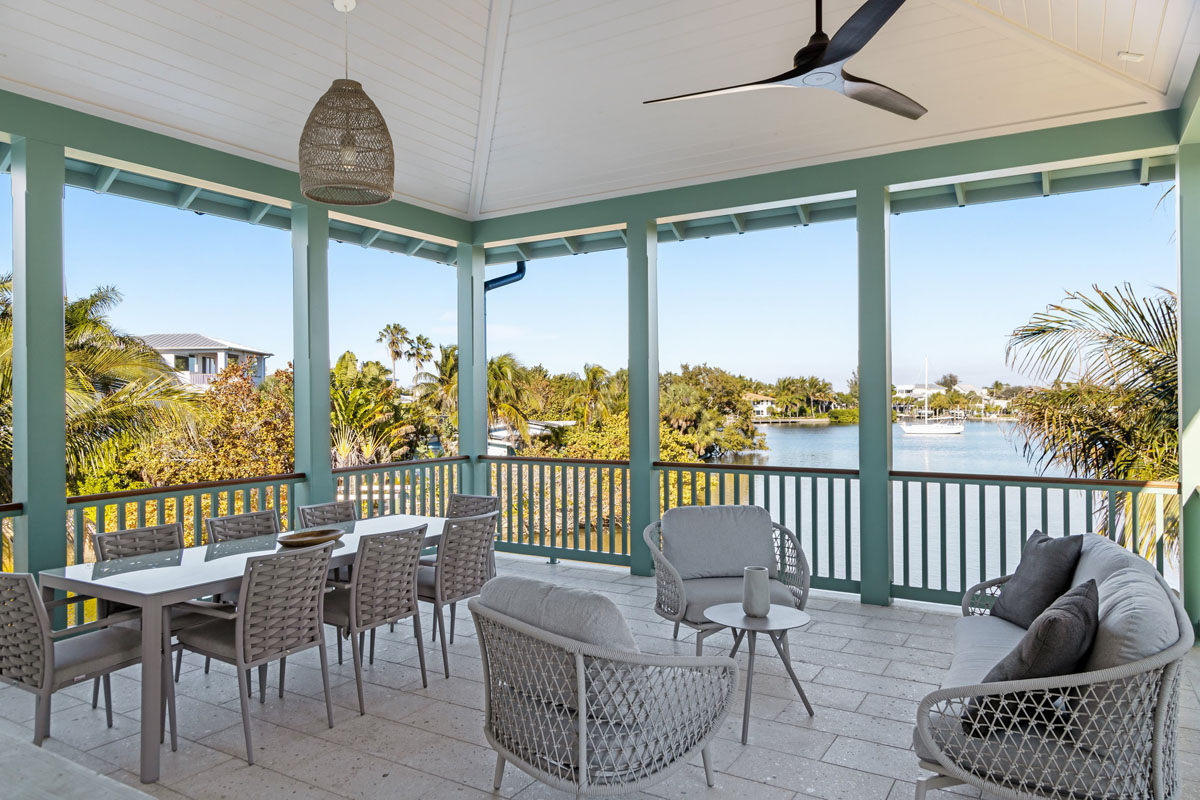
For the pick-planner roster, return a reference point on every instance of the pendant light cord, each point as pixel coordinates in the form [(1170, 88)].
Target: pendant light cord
[(346, 42)]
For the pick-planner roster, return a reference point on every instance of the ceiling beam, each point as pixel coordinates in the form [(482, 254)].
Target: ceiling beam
[(369, 235), (185, 196), (676, 229), (624, 235), (1046, 183), (413, 246), (960, 195), (739, 222), (802, 212), (523, 250), (1144, 177), (573, 244), (257, 212), (1053, 49), (499, 14), (104, 178), (5, 156)]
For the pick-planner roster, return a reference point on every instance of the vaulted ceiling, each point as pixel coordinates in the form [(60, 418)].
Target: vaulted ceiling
[(512, 105)]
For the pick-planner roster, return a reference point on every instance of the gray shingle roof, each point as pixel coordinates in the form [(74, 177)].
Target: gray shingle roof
[(195, 342)]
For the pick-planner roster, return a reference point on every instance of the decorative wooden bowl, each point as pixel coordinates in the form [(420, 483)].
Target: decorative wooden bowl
[(310, 537)]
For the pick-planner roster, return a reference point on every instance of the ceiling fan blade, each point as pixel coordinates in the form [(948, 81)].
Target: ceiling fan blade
[(860, 29), (880, 96), (741, 87)]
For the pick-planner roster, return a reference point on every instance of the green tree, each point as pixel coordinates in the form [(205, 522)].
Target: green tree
[(1110, 408), (592, 400), (396, 339), (510, 398), (948, 381), (369, 422)]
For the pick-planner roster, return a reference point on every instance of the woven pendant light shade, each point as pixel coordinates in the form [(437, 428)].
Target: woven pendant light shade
[(346, 156)]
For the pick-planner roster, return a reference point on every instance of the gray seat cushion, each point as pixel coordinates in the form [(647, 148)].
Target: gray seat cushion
[(979, 644), (214, 638), (577, 614), (701, 593), (94, 652), (337, 607), (1136, 619), (1045, 572), (718, 541)]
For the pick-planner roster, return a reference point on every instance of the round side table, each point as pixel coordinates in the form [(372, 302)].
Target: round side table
[(776, 624)]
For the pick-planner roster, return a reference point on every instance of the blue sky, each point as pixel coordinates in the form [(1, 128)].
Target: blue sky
[(764, 304)]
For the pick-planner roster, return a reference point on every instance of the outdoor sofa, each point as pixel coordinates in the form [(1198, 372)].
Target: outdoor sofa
[(1107, 731)]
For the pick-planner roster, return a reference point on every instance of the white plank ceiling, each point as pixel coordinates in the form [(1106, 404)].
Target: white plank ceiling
[(512, 105)]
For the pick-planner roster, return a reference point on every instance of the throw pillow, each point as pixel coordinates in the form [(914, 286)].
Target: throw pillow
[(1057, 643), (1045, 572)]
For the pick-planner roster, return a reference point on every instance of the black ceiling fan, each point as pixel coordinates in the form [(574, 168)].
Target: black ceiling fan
[(821, 64)]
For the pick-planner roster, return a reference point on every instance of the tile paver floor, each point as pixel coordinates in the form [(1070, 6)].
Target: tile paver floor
[(864, 669)]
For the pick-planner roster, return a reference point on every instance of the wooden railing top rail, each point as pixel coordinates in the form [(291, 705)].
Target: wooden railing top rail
[(601, 462), (1081, 483), (8, 508), (690, 465), (416, 462), (185, 488)]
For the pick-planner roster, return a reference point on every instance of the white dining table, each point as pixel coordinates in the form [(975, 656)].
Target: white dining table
[(155, 582)]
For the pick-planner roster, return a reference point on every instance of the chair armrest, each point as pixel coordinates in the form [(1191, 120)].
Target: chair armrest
[(979, 599), (670, 599), (216, 610), (794, 571), (103, 622)]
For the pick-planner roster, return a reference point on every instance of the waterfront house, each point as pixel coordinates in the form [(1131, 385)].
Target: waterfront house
[(763, 405), (519, 132), (198, 359)]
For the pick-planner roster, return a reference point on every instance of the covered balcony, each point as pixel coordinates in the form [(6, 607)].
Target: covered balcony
[(520, 135)]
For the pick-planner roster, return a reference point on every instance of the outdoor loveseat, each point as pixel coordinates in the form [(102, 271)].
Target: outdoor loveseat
[(571, 701), (1107, 731)]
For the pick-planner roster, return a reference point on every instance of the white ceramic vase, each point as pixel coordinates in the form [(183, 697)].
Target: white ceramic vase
[(756, 592)]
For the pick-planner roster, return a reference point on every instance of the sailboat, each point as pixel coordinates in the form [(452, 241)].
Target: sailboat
[(926, 426)]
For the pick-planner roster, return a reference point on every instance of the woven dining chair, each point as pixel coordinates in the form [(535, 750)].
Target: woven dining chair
[(38, 659), (279, 612), (464, 564), (242, 526), (135, 542), (383, 590), (327, 513), (468, 505)]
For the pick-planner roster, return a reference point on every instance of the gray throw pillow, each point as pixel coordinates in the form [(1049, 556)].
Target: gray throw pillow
[(1045, 572), (1057, 643)]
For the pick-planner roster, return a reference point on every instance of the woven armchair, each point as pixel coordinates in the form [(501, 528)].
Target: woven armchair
[(1107, 733), (790, 584), (242, 526), (464, 564), (327, 513), (40, 660), (590, 719), (279, 613)]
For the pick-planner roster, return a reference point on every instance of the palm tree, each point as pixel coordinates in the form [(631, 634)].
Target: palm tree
[(510, 398), (440, 387), (395, 338), (420, 352), (369, 423), (592, 400), (119, 391), (1110, 410)]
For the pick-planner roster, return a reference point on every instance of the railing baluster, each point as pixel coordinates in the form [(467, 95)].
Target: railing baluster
[(982, 531), (1134, 521), (1003, 531), (925, 535), (944, 557), (904, 547), (1113, 516), (964, 583)]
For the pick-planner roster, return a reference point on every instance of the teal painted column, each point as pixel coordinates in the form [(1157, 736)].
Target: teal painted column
[(642, 252), (310, 330), (1187, 183), (874, 397), (38, 357), (472, 366)]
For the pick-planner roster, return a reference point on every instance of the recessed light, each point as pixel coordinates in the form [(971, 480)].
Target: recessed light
[(1127, 55)]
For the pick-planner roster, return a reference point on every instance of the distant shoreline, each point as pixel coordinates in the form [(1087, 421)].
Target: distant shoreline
[(791, 421)]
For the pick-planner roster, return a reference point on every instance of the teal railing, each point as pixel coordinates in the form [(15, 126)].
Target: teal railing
[(401, 487), (7, 512), (562, 508), (820, 506), (189, 504), (952, 531)]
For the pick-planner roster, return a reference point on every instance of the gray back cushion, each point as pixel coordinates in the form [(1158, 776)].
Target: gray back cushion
[(718, 541), (1058, 640), (1045, 572), (1102, 557), (1137, 619), (577, 614)]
